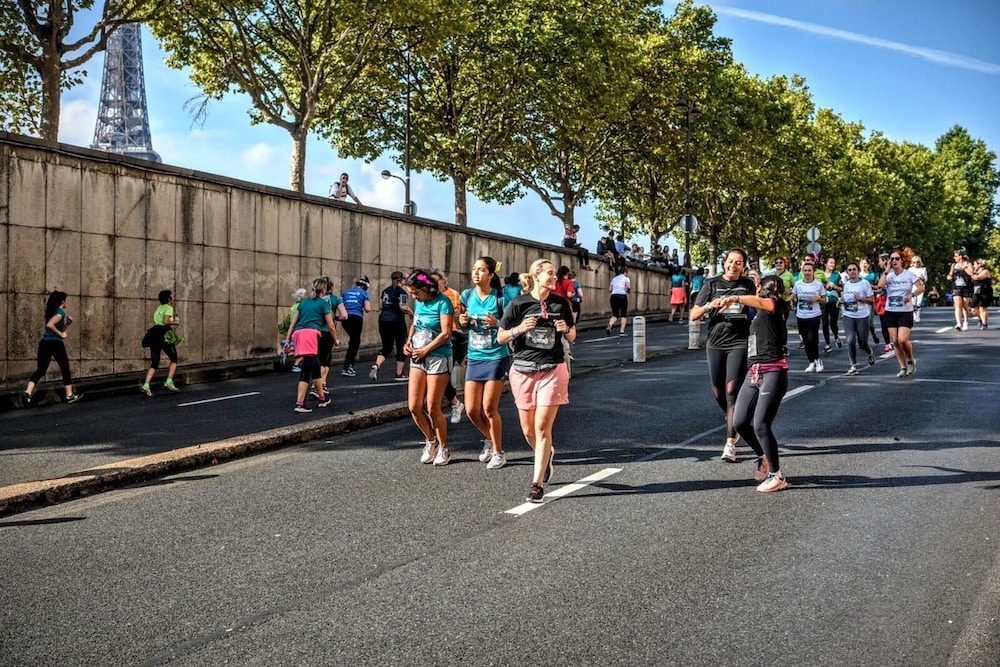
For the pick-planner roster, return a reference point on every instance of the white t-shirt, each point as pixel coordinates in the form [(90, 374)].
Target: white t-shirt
[(898, 292), (918, 272), (806, 309), (620, 285), (853, 308)]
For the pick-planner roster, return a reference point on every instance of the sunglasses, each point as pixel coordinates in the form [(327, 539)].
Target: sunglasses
[(894, 259)]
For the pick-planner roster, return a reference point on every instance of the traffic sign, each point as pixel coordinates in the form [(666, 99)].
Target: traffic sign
[(813, 248), (813, 234)]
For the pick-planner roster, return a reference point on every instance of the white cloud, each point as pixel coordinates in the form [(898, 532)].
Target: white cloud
[(77, 119), (933, 55)]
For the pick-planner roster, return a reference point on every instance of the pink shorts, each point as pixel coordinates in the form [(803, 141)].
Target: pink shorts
[(544, 388), (306, 342)]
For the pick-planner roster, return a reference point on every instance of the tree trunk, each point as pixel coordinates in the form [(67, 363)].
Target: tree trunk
[(51, 95), (298, 178), (461, 199)]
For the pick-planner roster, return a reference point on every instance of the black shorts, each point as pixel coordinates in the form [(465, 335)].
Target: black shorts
[(619, 305), (894, 320), (963, 292), (325, 348), (981, 300)]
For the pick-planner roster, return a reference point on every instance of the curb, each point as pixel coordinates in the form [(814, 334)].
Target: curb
[(18, 498)]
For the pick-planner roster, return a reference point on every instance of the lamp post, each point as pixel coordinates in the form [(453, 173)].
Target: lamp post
[(689, 222), (409, 208), (408, 205)]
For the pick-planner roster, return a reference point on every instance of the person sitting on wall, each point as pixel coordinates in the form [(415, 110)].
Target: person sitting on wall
[(341, 190)]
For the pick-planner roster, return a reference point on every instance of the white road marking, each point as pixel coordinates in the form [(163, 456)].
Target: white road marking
[(944, 330), (524, 508), (221, 398), (954, 381), (798, 390)]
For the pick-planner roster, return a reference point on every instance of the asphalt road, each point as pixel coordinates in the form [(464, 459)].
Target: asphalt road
[(650, 551)]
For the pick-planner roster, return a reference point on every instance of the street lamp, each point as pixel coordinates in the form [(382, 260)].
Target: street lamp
[(689, 222), (409, 208)]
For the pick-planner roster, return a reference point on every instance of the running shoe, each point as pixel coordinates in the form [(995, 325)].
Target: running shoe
[(303, 409), (443, 456), (901, 373), (296, 369), (621, 334), (819, 365), (760, 469), (313, 393), (827, 348), (73, 398), (325, 402), (875, 337), (802, 346), (536, 493), (911, 366), (349, 372), (853, 370), (840, 343), (549, 469), (373, 373), (965, 326), (811, 368), (430, 451), (27, 399), (170, 386), (456, 412), (497, 461), (146, 390), (775, 482), (871, 358), (402, 378), (607, 332), (887, 348), (958, 327), (484, 455), (981, 326), (729, 452)]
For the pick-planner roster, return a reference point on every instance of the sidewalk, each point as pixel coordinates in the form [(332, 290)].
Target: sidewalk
[(593, 351)]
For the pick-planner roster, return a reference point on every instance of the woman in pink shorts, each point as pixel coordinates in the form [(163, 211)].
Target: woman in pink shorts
[(535, 323)]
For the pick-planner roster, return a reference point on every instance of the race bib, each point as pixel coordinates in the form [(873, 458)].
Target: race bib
[(851, 307), (481, 340), (959, 281), (895, 302), (805, 306), (540, 338), (734, 309), (422, 338), (752, 345), (975, 289)]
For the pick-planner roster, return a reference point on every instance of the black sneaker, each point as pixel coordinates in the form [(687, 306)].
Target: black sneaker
[(73, 398), (871, 358), (607, 332), (348, 372), (313, 393), (325, 402), (875, 337), (536, 494), (840, 343), (827, 348), (27, 400)]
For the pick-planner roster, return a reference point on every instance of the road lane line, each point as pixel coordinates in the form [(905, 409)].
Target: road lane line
[(944, 330), (954, 381), (524, 508), (221, 398)]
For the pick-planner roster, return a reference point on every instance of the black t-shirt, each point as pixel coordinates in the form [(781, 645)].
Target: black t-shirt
[(391, 298), (768, 335), (543, 346), (727, 329)]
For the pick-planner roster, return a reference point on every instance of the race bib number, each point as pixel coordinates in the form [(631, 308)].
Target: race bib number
[(422, 338), (481, 340), (752, 345), (540, 338), (959, 281), (895, 302), (734, 309), (805, 306)]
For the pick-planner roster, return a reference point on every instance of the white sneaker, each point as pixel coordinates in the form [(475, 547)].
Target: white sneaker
[(853, 370), (965, 326), (443, 457), (729, 452), (456, 412), (811, 368), (484, 455), (497, 460), (430, 451), (819, 365)]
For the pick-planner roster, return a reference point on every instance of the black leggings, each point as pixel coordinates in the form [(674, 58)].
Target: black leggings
[(755, 410), (310, 369), (809, 332), (831, 315), (393, 333), (353, 326), (856, 330), (727, 368), (47, 351)]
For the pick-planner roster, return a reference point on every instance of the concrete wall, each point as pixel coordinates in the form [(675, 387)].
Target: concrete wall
[(112, 231)]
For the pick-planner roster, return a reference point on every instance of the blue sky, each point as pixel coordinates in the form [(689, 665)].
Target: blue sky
[(909, 68)]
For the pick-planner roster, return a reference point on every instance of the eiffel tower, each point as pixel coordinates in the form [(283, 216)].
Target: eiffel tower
[(122, 118)]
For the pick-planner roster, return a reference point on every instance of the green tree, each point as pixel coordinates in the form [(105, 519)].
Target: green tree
[(39, 60), (295, 59), (971, 178)]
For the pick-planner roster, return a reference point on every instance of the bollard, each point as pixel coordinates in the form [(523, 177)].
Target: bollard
[(694, 334), (638, 339)]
